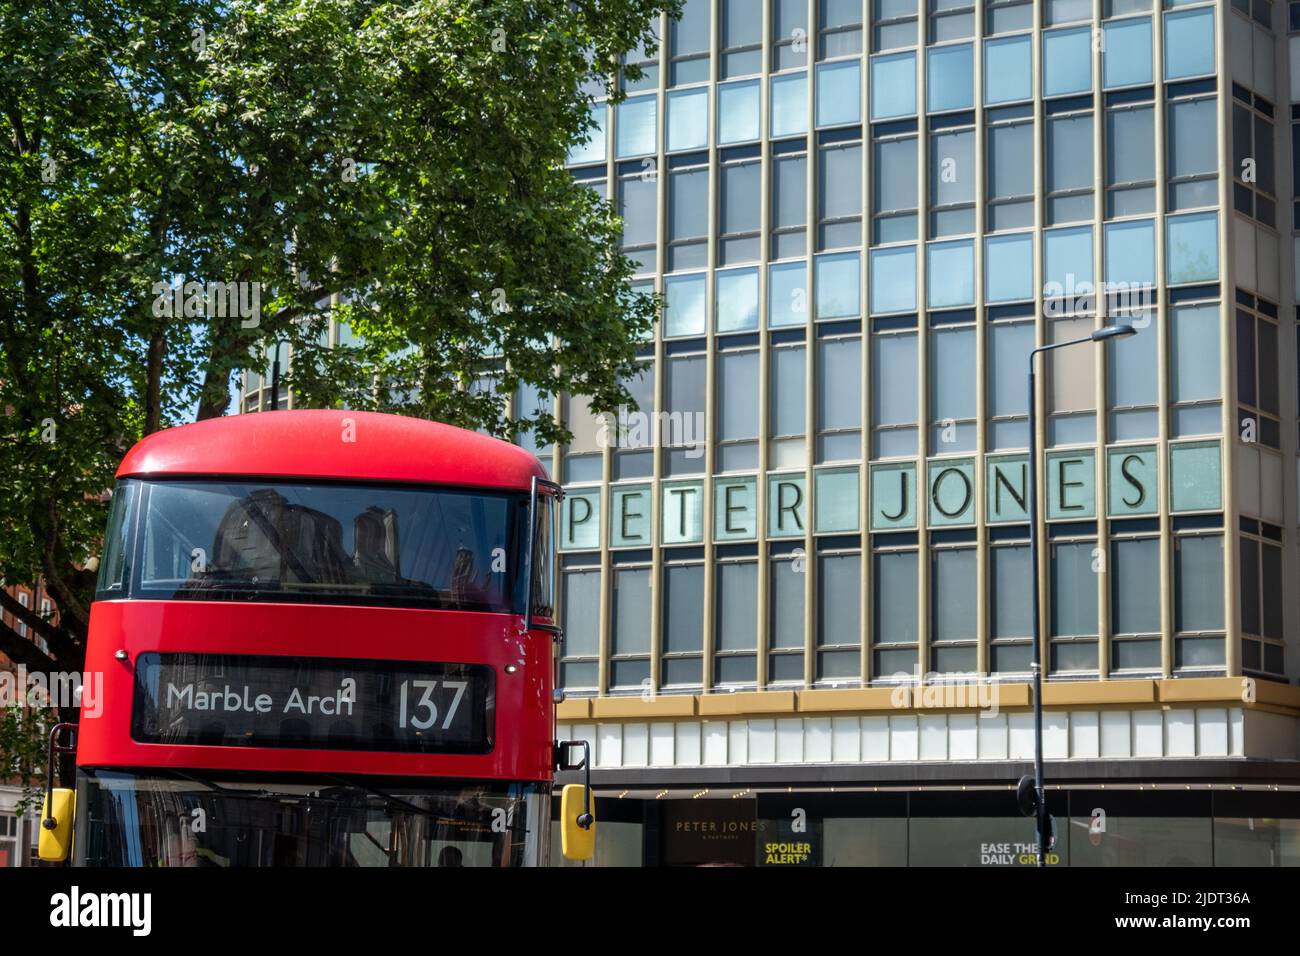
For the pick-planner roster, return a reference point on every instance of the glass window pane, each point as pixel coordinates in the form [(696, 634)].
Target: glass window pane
[(1193, 149), (592, 151), (789, 105), (739, 198), (1009, 614), (1270, 582), (838, 293), (950, 78), (1007, 70), (952, 168), (893, 85), (1135, 586), (1198, 583), (787, 393), (1131, 366), (787, 605), (787, 294), (737, 628), (1130, 146), (1127, 58), (1131, 252), (688, 204), (893, 279), (1189, 43), (840, 190), (738, 112), (839, 599), (1009, 267), (952, 374), (1245, 357), (1070, 382), (788, 183), (631, 631), (1264, 154), (690, 32), (688, 119), (738, 394), (1193, 244), (737, 300), (1074, 589), (637, 124), (838, 93), (894, 620), (684, 305), (787, 17), (894, 174), (1069, 153), (1268, 377), (1067, 61), (1008, 366), (839, 13), (1250, 619), (1065, 11), (683, 626), (839, 384), (582, 631), (950, 274), (1194, 372), (685, 390), (893, 379), (638, 205), (742, 22), (1067, 259), (1011, 160), (953, 594)]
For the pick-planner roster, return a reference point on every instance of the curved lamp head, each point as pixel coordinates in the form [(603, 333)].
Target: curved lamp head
[(1113, 332)]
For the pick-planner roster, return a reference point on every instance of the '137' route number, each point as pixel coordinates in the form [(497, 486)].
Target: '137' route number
[(426, 703)]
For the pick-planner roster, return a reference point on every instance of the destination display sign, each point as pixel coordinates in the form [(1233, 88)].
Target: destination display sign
[(314, 703)]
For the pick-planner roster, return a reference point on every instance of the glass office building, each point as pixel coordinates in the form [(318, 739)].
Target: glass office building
[(795, 579), (783, 569)]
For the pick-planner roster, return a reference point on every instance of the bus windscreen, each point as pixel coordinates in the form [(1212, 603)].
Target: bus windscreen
[(327, 543)]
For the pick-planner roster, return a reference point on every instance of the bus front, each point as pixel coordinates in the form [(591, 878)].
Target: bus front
[(320, 671)]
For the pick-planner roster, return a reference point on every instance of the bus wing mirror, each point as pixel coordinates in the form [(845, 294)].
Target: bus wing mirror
[(56, 824), (60, 803), (578, 822)]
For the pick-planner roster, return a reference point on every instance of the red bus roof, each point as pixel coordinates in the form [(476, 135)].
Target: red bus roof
[(328, 443)]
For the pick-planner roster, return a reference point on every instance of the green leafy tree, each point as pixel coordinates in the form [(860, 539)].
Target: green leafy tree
[(24, 736), (401, 164)]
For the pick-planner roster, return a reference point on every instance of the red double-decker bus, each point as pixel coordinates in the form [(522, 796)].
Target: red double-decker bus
[(326, 639)]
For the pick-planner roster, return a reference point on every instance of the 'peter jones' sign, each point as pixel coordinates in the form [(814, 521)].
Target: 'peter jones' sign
[(261, 701)]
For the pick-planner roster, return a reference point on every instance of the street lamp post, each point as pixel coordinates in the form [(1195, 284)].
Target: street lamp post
[(1101, 335), (275, 376)]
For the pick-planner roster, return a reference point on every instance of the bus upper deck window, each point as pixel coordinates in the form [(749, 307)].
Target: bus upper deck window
[(113, 562)]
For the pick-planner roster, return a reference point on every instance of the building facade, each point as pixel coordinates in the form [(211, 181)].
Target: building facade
[(795, 579), (18, 831)]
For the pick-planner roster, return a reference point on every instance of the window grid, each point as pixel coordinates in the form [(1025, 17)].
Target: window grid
[(788, 240)]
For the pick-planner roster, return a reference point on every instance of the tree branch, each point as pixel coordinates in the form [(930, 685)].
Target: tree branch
[(21, 650)]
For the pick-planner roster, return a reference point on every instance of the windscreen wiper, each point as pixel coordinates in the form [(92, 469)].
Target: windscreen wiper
[(262, 794), (387, 797), (259, 794)]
